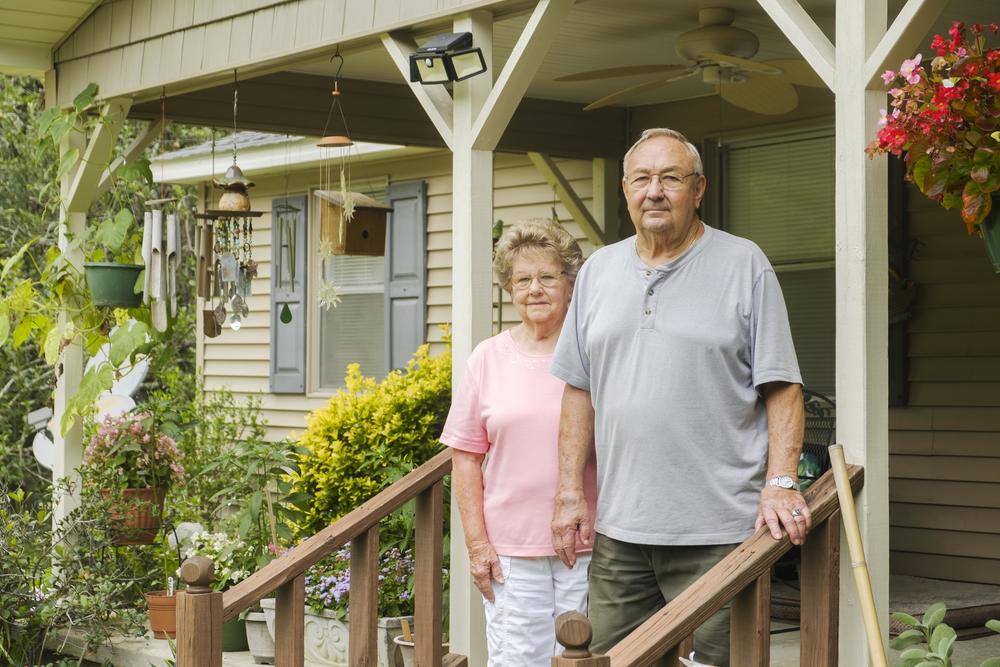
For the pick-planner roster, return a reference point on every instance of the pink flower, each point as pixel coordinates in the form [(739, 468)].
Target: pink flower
[(888, 76), (908, 70)]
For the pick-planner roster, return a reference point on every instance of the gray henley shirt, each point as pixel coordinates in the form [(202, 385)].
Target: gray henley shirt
[(672, 357)]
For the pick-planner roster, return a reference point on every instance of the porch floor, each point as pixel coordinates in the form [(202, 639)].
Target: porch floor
[(909, 594)]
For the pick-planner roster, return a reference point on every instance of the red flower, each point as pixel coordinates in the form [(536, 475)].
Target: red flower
[(994, 80)]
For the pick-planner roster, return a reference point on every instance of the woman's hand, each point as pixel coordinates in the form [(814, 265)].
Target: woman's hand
[(485, 567)]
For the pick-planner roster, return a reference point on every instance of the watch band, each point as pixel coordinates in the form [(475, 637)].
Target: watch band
[(783, 482)]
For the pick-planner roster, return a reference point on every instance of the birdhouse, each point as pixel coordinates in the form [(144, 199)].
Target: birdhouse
[(354, 227)]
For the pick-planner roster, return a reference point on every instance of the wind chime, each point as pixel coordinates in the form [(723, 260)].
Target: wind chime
[(161, 252), (226, 266), (350, 223)]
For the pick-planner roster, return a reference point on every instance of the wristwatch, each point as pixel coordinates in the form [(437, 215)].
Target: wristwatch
[(783, 482)]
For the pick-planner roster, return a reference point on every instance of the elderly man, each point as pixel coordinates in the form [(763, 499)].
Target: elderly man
[(680, 370)]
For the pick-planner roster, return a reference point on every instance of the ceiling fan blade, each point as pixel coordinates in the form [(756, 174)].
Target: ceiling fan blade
[(741, 63), (632, 91), (794, 70), (761, 93), (613, 72)]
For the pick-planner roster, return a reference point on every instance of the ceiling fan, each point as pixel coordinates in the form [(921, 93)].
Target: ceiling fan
[(719, 52)]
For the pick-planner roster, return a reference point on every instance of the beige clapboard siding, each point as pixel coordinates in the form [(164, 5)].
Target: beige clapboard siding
[(134, 44), (944, 446), (239, 360)]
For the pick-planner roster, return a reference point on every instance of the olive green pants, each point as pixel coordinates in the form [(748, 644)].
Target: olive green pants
[(630, 582)]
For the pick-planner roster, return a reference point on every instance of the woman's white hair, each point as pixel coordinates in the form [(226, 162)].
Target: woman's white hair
[(535, 235), (654, 132)]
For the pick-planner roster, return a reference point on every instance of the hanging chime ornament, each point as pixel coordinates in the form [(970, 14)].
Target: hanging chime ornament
[(227, 240), (350, 222)]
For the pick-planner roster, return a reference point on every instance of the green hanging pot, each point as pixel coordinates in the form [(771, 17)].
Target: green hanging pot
[(113, 284), (990, 229)]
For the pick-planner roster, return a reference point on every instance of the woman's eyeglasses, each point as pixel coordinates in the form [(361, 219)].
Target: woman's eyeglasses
[(544, 279)]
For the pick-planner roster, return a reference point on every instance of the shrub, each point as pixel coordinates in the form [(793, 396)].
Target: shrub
[(64, 578), (369, 435)]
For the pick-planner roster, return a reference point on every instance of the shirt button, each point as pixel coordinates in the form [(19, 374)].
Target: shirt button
[(648, 311), (649, 273), (650, 292)]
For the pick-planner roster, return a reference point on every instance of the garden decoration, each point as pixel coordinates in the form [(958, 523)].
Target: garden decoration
[(161, 254), (287, 226), (131, 465), (231, 238), (945, 124)]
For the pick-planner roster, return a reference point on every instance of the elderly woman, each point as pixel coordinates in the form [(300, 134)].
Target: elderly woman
[(507, 412)]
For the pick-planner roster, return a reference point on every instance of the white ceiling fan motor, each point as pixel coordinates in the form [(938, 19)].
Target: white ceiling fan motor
[(716, 35)]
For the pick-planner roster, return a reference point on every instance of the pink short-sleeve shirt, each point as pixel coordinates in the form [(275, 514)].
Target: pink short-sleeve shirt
[(508, 408)]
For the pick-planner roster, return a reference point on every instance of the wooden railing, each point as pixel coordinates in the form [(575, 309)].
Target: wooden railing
[(200, 611), (744, 579)]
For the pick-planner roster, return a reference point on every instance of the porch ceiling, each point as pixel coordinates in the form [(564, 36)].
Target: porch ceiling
[(611, 33), (31, 29), (597, 34)]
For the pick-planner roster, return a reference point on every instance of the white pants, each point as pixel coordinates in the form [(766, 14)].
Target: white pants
[(520, 624)]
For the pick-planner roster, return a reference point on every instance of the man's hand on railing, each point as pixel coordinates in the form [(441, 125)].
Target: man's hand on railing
[(572, 518), (784, 508), (484, 564)]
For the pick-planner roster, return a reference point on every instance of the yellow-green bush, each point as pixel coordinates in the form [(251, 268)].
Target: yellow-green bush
[(369, 435)]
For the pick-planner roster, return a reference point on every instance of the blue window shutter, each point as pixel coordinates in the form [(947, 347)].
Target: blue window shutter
[(289, 235), (405, 271)]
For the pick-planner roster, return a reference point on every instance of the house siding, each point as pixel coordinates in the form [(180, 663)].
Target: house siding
[(944, 447), (239, 360)]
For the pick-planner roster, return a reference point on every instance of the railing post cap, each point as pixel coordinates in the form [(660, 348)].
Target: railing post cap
[(198, 572), (573, 631)]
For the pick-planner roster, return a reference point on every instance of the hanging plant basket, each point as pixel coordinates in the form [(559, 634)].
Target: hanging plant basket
[(138, 512), (113, 284), (990, 229)]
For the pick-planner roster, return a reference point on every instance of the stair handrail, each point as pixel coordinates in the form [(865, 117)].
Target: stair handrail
[(199, 620)]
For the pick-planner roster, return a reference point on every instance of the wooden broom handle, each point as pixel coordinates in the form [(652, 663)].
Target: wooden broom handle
[(859, 565)]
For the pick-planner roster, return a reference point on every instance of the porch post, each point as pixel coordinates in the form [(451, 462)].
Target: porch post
[(68, 446), (862, 309), (472, 302)]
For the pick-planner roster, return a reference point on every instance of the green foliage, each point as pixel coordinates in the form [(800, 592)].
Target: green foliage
[(929, 641), (66, 578), (369, 435)]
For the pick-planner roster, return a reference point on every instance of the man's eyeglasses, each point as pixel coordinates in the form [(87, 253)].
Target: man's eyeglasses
[(544, 279), (667, 181)]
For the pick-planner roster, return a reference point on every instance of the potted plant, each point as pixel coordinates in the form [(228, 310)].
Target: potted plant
[(943, 121), (131, 464), (328, 586), (162, 604), (234, 561)]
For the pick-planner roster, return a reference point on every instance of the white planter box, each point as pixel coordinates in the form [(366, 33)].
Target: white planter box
[(326, 638)]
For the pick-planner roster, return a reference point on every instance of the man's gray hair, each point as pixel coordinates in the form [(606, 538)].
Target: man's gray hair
[(654, 132)]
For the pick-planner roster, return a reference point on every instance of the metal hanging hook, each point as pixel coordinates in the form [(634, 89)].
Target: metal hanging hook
[(236, 101)]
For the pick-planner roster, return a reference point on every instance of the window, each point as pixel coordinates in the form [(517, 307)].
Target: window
[(779, 192), (353, 331), (379, 321)]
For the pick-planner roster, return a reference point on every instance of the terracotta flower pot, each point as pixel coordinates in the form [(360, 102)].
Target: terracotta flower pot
[(162, 614), (138, 511)]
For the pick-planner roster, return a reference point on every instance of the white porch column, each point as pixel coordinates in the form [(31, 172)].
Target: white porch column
[(69, 446), (862, 319), (472, 302)]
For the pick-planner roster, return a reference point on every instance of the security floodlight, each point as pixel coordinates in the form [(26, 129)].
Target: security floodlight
[(445, 58)]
